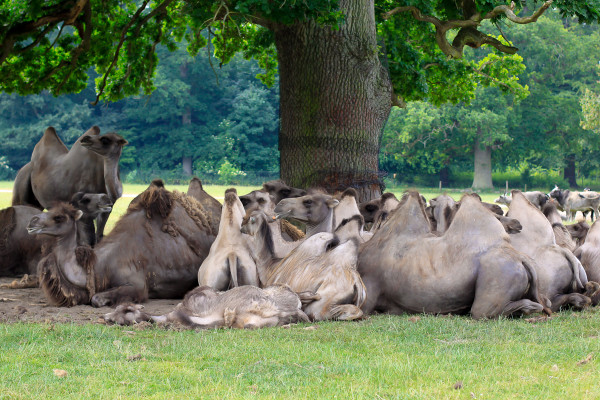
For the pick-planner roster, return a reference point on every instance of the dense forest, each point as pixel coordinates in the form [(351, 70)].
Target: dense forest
[(221, 123)]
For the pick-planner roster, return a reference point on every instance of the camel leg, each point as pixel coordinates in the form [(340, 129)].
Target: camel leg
[(373, 293), (501, 286), (592, 290), (346, 312), (26, 282), (577, 300), (101, 220), (522, 307), (118, 295)]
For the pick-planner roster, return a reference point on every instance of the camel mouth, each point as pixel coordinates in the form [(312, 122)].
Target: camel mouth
[(283, 214), (33, 230), (105, 208)]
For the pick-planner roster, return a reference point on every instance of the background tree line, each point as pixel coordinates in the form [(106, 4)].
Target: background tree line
[(192, 124)]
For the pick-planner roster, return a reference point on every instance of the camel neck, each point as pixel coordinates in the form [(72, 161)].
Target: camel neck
[(64, 252), (114, 187), (324, 226)]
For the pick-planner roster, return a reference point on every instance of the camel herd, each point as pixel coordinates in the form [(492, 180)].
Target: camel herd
[(281, 255)]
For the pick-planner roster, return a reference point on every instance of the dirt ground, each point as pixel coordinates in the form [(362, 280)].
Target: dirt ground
[(30, 305)]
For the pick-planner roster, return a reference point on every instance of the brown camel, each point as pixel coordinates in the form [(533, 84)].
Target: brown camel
[(243, 307), (20, 252), (376, 211), (320, 211), (22, 194), (262, 200), (210, 204), (561, 276), (471, 267), (153, 251), (280, 190), (90, 166), (561, 233), (229, 263), (320, 265), (589, 253), (443, 208), (578, 232)]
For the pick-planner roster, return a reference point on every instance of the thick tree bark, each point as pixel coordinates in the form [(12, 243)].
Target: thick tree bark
[(569, 173), (482, 176), (187, 165), (335, 97)]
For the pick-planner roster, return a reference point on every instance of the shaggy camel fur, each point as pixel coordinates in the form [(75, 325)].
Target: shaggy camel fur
[(560, 274), (472, 266), (154, 251), (243, 307), (321, 264), (20, 252), (229, 263)]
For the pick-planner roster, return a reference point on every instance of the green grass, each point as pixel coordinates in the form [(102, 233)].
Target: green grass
[(385, 357)]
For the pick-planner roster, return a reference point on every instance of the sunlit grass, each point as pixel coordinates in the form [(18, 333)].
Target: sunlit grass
[(383, 357)]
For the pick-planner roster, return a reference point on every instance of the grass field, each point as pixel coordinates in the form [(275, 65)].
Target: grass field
[(382, 357)]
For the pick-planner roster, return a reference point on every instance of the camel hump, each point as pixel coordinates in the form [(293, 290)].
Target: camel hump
[(195, 183), (94, 130), (50, 138)]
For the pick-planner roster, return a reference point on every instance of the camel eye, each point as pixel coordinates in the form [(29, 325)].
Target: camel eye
[(85, 201), (261, 201), (285, 192), (59, 219), (307, 203), (105, 141)]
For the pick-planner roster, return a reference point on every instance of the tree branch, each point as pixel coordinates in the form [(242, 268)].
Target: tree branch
[(468, 33)]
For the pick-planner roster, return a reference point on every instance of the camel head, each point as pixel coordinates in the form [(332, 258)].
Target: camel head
[(279, 190), (350, 228), (255, 222), (311, 209), (233, 210), (91, 204), (503, 199), (258, 200), (442, 210), (579, 231), (58, 221), (556, 193), (107, 145), (368, 209)]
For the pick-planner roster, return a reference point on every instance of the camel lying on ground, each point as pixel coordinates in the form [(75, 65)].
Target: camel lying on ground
[(20, 252), (560, 274), (244, 307), (229, 263), (320, 265), (56, 173), (153, 251), (470, 268)]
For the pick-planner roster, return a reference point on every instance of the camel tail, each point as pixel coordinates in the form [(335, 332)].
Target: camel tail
[(233, 267), (534, 293), (574, 263), (360, 291)]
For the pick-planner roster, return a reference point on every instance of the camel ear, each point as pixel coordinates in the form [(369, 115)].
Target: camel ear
[(122, 142), (78, 215), (331, 203)]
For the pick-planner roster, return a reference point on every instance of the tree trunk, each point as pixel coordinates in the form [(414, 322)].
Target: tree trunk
[(482, 177), (569, 172), (445, 176), (187, 165), (335, 97)]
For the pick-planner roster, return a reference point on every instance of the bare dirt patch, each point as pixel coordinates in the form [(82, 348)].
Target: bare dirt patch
[(30, 305)]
